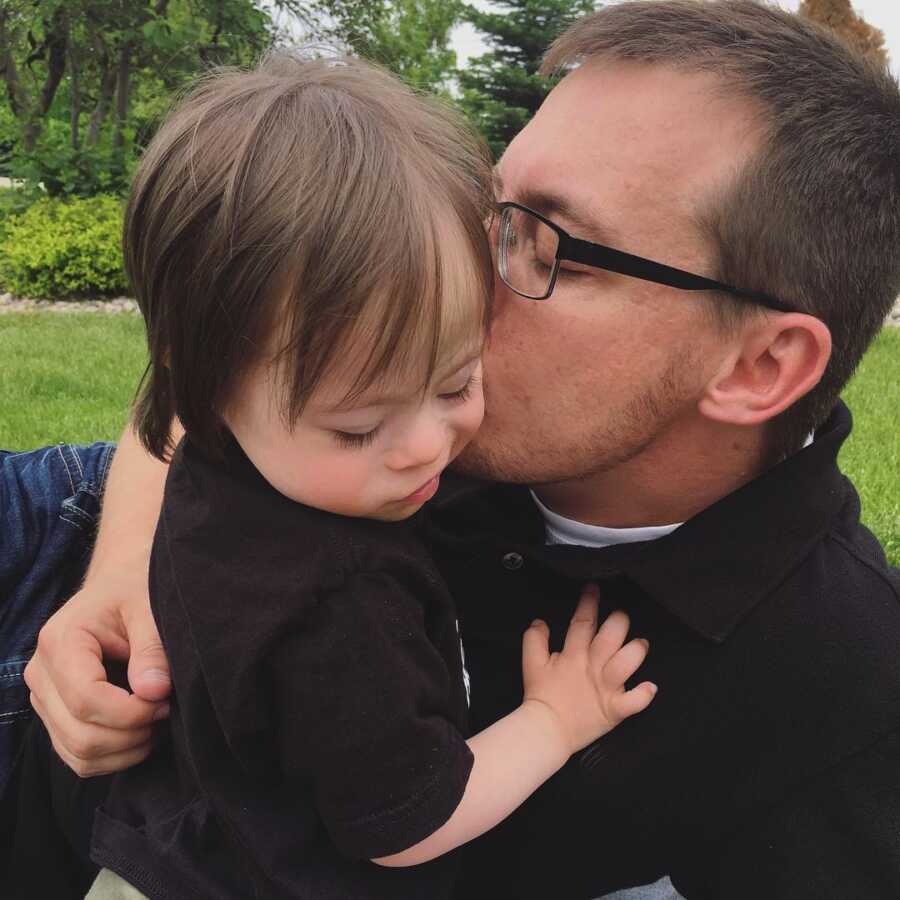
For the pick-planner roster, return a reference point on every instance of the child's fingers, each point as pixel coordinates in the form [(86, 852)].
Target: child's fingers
[(583, 625), (535, 646), (634, 701), (625, 663), (609, 638)]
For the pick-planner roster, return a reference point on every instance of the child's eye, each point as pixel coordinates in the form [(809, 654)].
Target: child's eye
[(462, 394), (355, 439)]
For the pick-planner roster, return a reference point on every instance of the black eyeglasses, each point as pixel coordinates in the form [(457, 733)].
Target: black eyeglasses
[(530, 247)]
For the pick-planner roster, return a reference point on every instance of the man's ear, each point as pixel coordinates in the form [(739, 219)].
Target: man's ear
[(776, 360)]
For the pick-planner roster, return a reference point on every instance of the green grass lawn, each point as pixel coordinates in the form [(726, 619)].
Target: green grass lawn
[(67, 377), (871, 457), (72, 377)]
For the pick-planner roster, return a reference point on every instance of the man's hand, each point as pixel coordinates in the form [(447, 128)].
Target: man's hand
[(582, 688), (96, 727)]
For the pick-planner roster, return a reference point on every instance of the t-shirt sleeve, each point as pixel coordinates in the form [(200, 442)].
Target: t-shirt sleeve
[(364, 714)]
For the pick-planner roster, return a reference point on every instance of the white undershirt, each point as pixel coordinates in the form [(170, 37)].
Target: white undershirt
[(561, 530)]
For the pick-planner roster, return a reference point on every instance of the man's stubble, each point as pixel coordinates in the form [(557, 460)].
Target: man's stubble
[(600, 439)]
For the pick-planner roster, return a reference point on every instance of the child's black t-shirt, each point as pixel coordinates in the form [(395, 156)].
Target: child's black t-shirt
[(318, 709)]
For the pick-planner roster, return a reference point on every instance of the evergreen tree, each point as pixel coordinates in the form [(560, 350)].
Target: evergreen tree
[(839, 16), (501, 90)]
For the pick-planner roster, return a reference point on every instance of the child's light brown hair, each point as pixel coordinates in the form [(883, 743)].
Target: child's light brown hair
[(306, 203)]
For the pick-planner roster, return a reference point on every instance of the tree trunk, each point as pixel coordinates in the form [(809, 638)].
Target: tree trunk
[(123, 87), (19, 101), (75, 116), (104, 101), (28, 110), (57, 40)]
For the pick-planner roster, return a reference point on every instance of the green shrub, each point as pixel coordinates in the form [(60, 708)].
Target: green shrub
[(13, 202), (66, 172), (62, 248)]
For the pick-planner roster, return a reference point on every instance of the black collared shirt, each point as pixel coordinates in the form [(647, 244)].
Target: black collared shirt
[(768, 766), (318, 707)]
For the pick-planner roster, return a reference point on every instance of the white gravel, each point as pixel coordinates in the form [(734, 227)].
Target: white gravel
[(894, 316), (10, 304)]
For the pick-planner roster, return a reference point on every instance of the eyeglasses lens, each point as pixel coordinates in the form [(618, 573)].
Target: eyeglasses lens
[(526, 254)]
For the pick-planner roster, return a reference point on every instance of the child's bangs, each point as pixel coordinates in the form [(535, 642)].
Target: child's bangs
[(432, 311), (415, 300), (387, 267)]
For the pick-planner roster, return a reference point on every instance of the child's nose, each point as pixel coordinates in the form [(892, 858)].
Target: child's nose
[(422, 445)]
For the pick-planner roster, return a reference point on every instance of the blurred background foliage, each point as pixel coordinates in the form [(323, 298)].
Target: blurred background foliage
[(87, 81), (85, 84)]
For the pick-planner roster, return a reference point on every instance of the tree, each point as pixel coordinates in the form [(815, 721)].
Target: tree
[(42, 37), (839, 16), (74, 71), (501, 90), (409, 37), (86, 81)]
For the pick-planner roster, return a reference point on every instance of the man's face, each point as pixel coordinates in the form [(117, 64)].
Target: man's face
[(624, 155)]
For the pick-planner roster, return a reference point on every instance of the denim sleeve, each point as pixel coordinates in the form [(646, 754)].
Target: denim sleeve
[(49, 504)]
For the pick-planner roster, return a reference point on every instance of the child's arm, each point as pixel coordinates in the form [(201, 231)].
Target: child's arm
[(572, 698)]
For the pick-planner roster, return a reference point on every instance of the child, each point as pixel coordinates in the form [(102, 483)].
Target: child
[(307, 245)]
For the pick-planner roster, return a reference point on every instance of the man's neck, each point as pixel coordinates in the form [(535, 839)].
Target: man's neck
[(663, 483)]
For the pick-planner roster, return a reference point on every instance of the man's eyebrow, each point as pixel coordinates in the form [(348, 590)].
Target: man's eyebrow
[(587, 227)]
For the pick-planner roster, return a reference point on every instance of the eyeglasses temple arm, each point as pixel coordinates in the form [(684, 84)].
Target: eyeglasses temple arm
[(590, 254)]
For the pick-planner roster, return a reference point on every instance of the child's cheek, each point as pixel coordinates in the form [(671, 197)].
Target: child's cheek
[(343, 476)]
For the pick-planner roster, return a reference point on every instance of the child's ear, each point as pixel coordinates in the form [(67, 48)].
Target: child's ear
[(777, 360)]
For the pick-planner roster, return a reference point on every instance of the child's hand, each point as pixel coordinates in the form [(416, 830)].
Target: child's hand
[(583, 687)]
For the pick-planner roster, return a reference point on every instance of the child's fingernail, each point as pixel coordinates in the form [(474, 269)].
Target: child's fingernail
[(161, 712)]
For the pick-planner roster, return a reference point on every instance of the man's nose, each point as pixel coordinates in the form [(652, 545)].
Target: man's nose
[(420, 446)]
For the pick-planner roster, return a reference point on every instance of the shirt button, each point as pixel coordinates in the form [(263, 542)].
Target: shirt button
[(512, 561)]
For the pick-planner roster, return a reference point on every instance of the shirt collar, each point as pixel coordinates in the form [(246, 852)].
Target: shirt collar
[(561, 530), (712, 571)]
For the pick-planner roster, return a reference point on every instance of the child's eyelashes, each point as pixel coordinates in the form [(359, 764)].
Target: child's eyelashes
[(355, 439), (462, 394)]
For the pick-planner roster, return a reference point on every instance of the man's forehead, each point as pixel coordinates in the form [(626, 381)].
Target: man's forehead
[(612, 139), (530, 173)]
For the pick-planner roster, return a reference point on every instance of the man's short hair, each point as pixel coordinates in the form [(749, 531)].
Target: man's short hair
[(814, 217)]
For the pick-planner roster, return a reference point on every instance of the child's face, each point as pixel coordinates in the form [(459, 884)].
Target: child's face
[(380, 458)]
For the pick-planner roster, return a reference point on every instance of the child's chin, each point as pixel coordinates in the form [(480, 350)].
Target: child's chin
[(396, 513)]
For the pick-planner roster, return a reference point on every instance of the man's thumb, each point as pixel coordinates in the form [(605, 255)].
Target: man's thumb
[(148, 668)]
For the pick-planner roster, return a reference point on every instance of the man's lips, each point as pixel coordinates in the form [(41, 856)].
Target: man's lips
[(426, 492)]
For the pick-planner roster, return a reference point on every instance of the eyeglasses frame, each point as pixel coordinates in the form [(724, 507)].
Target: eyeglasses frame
[(599, 256)]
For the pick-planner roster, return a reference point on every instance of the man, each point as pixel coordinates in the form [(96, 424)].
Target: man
[(749, 168)]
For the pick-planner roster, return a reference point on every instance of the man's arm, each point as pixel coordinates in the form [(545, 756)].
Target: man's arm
[(94, 726), (835, 838)]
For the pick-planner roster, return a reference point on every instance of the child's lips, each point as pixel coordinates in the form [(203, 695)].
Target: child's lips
[(426, 492)]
